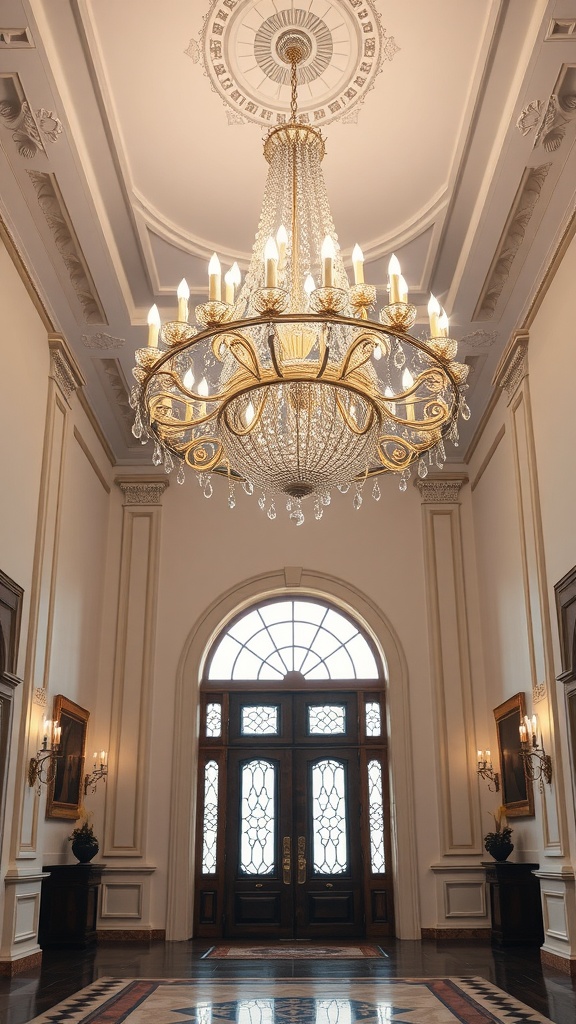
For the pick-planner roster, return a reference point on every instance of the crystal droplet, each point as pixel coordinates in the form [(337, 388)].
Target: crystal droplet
[(399, 356), (248, 487), (343, 488), (272, 511), (137, 428), (208, 489), (357, 501), (325, 498), (403, 484), (157, 455), (376, 493), (168, 463), (465, 411), (422, 469), (318, 510), (262, 501), (181, 474), (289, 505), (439, 459), (134, 396), (231, 498)]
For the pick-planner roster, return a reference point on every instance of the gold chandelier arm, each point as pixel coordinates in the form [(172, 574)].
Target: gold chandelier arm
[(353, 360), (243, 351), (166, 421), (402, 454), (351, 422), (197, 454)]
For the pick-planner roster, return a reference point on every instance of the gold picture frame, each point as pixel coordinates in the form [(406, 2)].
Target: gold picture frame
[(517, 790), (65, 791)]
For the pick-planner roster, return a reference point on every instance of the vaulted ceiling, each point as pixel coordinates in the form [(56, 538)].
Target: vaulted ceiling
[(131, 149)]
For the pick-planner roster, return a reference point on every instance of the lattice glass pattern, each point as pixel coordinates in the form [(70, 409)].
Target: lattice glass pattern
[(373, 718), (284, 636), (214, 720), (259, 720), (333, 1011), (210, 822), (258, 818), (376, 818), (329, 816), (255, 1011), (326, 719)]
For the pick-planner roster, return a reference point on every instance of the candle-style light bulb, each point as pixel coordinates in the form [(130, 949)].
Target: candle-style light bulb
[(249, 413), (153, 326), (358, 264), (480, 758), (229, 289), (309, 285), (407, 382), (394, 274), (443, 324), (402, 289), (271, 263), (328, 252), (203, 388), (281, 242), (188, 379), (434, 316), (183, 293), (377, 353), (215, 279), (388, 393), (487, 755)]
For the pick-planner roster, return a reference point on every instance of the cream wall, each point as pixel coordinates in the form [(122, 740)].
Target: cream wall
[(123, 575)]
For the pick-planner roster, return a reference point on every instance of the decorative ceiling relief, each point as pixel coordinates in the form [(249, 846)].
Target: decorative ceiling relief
[(54, 209), (102, 341), (550, 120), (519, 217), (238, 50), (480, 339), (15, 38), (30, 131)]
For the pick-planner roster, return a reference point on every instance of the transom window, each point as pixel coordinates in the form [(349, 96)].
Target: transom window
[(286, 638)]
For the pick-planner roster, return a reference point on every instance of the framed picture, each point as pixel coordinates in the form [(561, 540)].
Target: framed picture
[(517, 792), (65, 792)]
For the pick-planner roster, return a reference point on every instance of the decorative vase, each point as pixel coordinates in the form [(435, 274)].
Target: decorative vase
[(83, 851), (500, 851)]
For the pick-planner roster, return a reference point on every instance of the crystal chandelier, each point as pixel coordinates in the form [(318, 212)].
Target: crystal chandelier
[(285, 384)]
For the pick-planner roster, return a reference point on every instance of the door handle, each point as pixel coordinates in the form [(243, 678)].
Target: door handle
[(287, 860), (301, 860)]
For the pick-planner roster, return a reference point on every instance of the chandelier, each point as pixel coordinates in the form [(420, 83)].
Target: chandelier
[(284, 383)]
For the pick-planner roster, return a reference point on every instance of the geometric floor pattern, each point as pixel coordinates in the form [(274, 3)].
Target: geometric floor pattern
[(292, 1001), (284, 951)]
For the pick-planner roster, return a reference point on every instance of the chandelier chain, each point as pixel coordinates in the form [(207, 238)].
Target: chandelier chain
[(294, 91)]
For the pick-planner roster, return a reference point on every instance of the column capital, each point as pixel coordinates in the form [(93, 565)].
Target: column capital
[(513, 366), (64, 369), (141, 490), (443, 490)]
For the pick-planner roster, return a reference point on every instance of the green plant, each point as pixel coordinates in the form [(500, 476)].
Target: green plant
[(501, 837), (83, 833)]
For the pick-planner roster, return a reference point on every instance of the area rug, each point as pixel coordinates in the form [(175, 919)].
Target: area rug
[(292, 1001), (286, 951)]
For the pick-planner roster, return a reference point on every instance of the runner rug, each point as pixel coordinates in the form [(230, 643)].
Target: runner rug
[(292, 1001), (285, 951)]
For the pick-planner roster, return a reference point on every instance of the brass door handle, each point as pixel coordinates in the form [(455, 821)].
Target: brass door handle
[(301, 860), (287, 860)]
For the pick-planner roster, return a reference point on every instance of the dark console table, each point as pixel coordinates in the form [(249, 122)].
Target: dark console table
[(515, 904), (69, 905)]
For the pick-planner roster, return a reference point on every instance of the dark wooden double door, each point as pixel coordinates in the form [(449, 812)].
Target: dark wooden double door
[(294, 858)]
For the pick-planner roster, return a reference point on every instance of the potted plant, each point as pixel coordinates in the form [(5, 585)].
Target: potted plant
[(498, 843), (84, 842)]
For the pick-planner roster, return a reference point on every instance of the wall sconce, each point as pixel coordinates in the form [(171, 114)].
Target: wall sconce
[(486, 772), (537, 763), (42, 768), (92, 780)]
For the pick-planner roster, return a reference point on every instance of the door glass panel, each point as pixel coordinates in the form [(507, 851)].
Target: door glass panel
[(214, 720), (376, 818), (373, 718), (326, 719), (333, 1011), (329, 840), (257, 818), (259, 720), (210, 822), (255, 1011)]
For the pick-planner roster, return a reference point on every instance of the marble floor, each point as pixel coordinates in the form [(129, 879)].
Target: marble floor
[(516, 970)]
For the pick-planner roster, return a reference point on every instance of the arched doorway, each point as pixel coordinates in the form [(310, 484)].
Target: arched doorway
[(293, 806)]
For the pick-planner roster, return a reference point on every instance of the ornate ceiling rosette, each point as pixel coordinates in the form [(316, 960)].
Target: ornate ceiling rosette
[(347, 46)]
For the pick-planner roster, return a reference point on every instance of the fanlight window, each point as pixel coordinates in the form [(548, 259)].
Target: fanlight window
[(293, 636)]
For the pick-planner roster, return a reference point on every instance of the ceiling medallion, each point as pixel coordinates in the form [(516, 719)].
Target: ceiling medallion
[(345, 48), (284, 383)]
